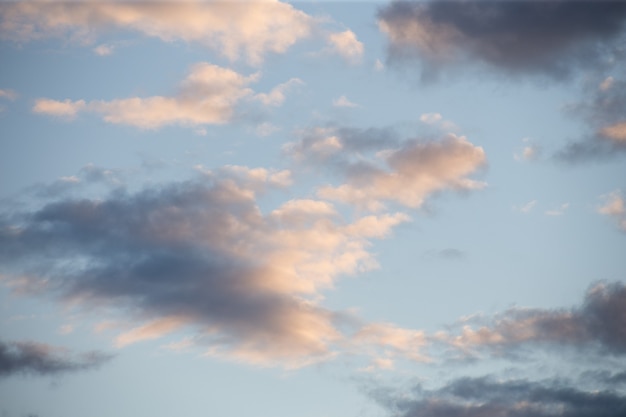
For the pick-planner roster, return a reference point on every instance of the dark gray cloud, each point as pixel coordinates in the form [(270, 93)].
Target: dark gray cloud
[(198, 255), (491, 397), (30, 358), (551, 38), (599, 323)]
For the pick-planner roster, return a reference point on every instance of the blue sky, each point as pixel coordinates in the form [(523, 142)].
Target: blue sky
[(312, 209)]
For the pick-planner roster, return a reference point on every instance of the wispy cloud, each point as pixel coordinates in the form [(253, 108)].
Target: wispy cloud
[(30, 358), (615, 208), (208, 95), (558, 211)]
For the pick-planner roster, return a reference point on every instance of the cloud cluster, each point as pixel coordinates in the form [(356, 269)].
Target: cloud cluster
[(232, 28), (599, 324), (515, 37), (493, 397), (410, 173), (198, 256), (208, 95), (379, 167), (30, 358)]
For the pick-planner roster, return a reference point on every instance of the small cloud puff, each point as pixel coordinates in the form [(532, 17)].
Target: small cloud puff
[(346, 45), (343, 101), (615, 207)]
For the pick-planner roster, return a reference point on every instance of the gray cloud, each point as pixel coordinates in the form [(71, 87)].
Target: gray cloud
[(30, 358), (604, 111), (200, 256), (551, 38), (599, 323), (490, 397)]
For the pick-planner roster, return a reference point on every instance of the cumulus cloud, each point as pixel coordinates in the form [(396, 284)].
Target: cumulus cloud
[(515, 37), (558, 211), (614, 207), (208, 95), (198, 256), (234, 29), (342, 101), (496, 397), (30, 358), (346, 45), (410, 173), (600, 323)]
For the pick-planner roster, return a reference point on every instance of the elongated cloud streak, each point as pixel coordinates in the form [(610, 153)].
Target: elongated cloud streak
[(234, 29), (208, 95), (30, 358)]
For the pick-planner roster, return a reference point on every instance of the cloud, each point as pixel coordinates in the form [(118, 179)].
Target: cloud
[(343, 101), (559, 211), (527, 208), (8, 94), (614, 207), (603, 110), (30, 358), (276, 97), (431, 118), (494, 397), (600, 323), (200, 257), (64, 109), (346, 45), (103, 50), (208, 95), (514, 37), (410, 173), (234, 29)]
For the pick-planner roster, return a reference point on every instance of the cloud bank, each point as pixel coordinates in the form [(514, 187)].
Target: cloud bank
[(514, 37)]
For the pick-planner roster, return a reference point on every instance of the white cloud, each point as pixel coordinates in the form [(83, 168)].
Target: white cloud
[(347, 46), (414, 171), (559, 211), (615, 207), (234, 29), (343, 101), (208, 95), (526, 208), (103, 50), (431, 118), (276, 96), (65, 109), (8, 94), (378, 65)]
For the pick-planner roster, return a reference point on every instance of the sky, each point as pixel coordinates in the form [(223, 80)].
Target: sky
[(313, 209)]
